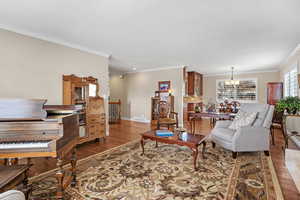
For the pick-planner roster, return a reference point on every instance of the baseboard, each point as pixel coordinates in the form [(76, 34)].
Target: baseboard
[(136, 120)]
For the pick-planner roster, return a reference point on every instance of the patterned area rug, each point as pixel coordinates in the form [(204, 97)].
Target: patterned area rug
[(167, 173)]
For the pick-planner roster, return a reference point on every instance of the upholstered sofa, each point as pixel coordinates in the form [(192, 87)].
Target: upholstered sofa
[(12, 195), (254, 137)]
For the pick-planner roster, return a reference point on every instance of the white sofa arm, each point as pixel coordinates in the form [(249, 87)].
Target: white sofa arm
[(251, 138), (12, 195), (223, 124)]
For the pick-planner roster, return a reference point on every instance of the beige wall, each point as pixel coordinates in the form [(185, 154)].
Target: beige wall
[(117, 89), (138, 88), (33, 68), (209, 84), (116, 85), (292, 60)]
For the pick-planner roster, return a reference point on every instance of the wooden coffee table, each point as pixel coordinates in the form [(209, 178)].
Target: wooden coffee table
[(192, 141)]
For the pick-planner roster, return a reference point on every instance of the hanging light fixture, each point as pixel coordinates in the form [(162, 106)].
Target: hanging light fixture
[(232, 81)]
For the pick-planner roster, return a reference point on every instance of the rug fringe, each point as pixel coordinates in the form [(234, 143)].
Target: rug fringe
[(229, 193), (277, 187)]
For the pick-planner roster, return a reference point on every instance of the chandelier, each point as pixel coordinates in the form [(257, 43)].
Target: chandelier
[(232, 82)]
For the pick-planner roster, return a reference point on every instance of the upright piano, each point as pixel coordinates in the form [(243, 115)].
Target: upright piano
[(29, 129)]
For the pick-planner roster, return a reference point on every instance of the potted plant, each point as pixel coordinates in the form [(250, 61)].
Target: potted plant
[(289, 104), (197, 109)]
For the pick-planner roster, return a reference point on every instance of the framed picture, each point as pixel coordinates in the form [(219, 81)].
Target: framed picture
[(164, 86)]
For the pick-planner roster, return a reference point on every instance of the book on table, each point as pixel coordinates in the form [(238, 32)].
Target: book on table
[(164, 133)]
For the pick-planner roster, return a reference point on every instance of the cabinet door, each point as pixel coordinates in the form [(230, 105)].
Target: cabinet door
[(191, 83), (95, 105), (197, 84), (275, 92), (201, 84)]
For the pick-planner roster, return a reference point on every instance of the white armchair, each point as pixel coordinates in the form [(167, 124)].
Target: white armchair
[(12, 195), (249, 138)]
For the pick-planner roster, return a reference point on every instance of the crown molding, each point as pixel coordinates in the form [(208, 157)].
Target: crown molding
[(155, 69), (291, 56), (53, 40), (240, 73)]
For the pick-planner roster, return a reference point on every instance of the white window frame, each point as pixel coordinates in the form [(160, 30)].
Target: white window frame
[(287, 86), (240, 79)]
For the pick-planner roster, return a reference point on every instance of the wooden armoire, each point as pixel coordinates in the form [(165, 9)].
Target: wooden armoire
[(83, 92), (193, 92)]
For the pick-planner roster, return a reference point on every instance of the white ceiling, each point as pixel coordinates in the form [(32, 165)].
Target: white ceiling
[(208, 35)]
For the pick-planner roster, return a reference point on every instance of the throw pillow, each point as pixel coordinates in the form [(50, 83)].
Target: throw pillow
[(243, 119)]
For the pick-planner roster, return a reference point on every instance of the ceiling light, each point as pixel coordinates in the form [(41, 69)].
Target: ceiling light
[(232, 82)]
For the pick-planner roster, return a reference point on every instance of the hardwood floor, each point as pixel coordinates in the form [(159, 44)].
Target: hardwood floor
[(128, 131)]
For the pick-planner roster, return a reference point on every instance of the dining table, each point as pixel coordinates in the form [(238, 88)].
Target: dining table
[(214, 116)]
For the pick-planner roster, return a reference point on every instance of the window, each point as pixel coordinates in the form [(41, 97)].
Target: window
[(291, 83), (245, 91)]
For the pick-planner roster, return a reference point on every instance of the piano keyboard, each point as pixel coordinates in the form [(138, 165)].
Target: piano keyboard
[(24, 145)]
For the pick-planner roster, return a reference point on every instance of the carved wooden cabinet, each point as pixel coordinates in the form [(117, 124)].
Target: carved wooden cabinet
[(83, 92), (95, 118), (193, 92)]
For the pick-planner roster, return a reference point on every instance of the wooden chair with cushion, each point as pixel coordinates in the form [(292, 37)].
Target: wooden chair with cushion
[(276, 123), (166, 117)]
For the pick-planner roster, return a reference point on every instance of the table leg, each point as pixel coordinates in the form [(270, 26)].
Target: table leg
[(142, 145), (194, 126), (210, 122), (156, 144), (191, 125), (213, 144), (60, 178), (203, 149), (195, 155), (26, 187), (28, 161), (73, 169)]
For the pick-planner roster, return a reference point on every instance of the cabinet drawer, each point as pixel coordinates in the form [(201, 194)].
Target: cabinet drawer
[(93, 120), (96, 129), (102, 132), (93, 130)]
